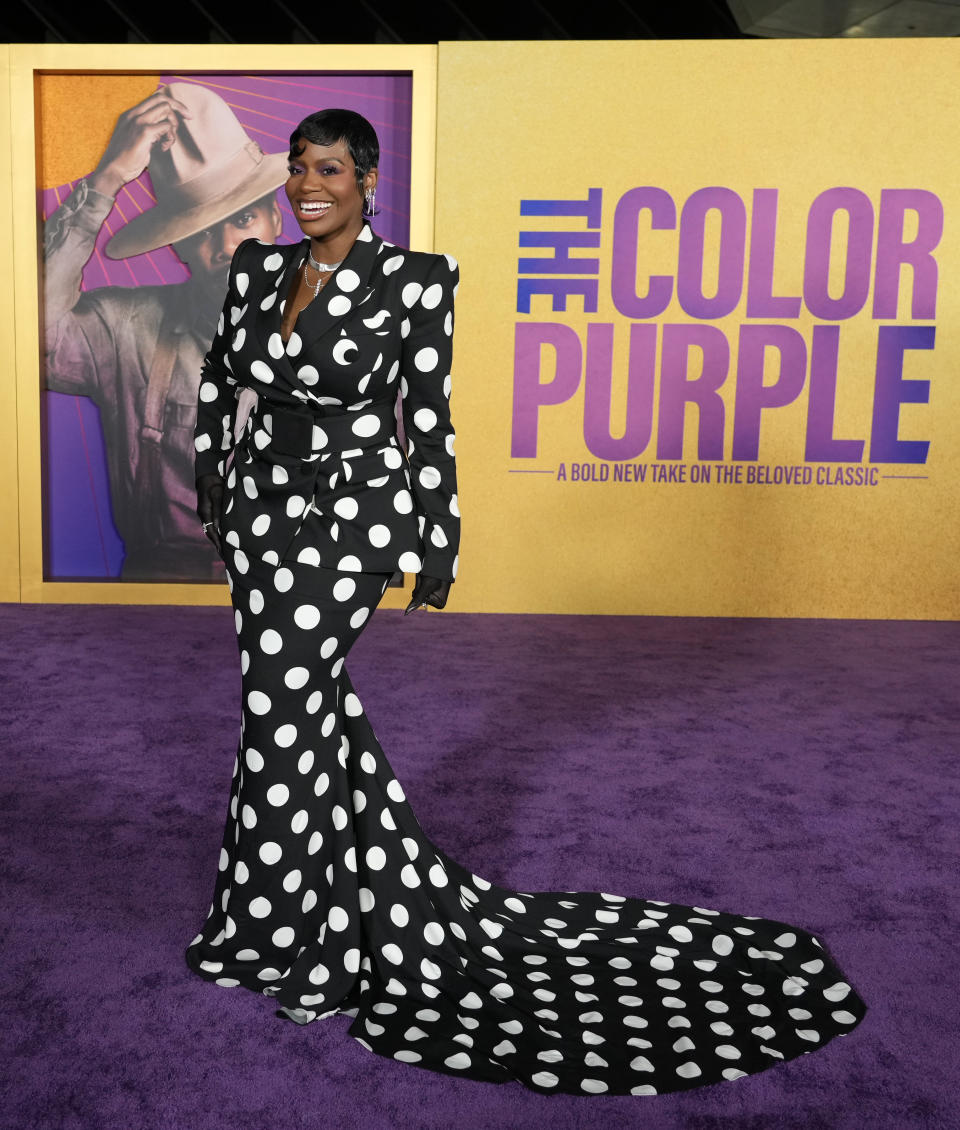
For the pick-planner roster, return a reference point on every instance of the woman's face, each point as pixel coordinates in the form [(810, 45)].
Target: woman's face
[(323, 191)]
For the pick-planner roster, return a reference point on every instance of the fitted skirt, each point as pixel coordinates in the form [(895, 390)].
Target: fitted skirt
[(330, 898)]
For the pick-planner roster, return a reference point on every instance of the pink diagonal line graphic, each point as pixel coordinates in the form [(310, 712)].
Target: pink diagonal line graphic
[(126, 262), (93, 493), (338, 90), (331, 89), (147, 254), (277, 137)]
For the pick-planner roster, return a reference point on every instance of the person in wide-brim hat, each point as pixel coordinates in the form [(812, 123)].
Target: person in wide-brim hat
[(213, 170)]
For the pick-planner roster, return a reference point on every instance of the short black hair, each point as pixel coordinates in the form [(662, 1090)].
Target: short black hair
[(327, 127)]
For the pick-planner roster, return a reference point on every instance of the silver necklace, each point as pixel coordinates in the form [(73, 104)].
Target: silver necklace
[(321, 282), (322, 266)]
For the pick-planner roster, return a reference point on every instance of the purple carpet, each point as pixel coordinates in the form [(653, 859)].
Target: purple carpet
[(805, 771)]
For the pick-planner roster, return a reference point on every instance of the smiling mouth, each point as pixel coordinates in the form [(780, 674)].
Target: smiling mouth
[(313, 209)]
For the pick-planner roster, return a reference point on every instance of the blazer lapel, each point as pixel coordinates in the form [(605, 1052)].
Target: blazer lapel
[(348, 288), (269, 290)]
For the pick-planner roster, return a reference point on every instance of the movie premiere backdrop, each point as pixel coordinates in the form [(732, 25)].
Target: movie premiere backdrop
[(706, 333), (707, 344)]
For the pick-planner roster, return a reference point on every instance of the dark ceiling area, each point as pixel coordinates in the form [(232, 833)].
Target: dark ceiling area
[(360, 21)]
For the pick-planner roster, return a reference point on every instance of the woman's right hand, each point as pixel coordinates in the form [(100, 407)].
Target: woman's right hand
[(210, 507)]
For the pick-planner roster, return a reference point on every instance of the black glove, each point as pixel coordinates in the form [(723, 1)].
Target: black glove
[(428, 590), (210, 507)]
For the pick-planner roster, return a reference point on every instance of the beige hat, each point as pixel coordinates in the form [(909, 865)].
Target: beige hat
[(212, 170)]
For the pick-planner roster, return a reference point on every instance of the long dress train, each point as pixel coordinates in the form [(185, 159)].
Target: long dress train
[(331, 899)]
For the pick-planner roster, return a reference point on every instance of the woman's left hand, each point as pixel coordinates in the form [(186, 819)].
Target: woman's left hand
[(428, 590)]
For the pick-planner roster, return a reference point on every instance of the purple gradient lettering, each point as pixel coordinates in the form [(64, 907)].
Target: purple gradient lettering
[(753, 396), (891, 390), (529, 392), (560, 290), (623, 275), (561, 262), (816, 267), (598, 387), (676, 390), (893, 252), (733, 235), (821, 447), (591, 208), (761, 301)]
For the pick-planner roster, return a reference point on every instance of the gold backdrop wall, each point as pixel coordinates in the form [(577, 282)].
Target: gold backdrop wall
[(706, 166), (846, 254)]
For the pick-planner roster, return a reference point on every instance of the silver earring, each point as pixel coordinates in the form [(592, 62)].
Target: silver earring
[(370, 201)]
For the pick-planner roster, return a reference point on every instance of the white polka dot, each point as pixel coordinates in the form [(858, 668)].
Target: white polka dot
[(359, 617), (410, 293), (688, 1070), (305, 761), (431, 296), (258, 702), (260, 907), (268, 302), (545, 1079), (376, 858), (283, 937), (260, 525), (339, 304), (278, 795), (294, 344), (261, 371), (351, 962), (836, 992), (348, 280), (242, 281), (296, 678), (337, 918), (409, 876), (344, 588), (722, 944), (409, 562), (275, 346), (425, 419), (438, 876), (286, 735), (254, 760), (283, 580), (458, 1060), (314, 702), (208, 392), (390, 265), (346, 508), (328, 647), (273, 262), (307, 616), (365, 426), (295, 507), (429, 477), (270, 642), (426, 359), (393, 953), (308, 374)]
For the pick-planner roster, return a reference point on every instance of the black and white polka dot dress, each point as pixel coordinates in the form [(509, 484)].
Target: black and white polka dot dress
[(330, 898)]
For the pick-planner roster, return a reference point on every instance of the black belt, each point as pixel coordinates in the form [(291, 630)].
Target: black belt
[(292, 429)]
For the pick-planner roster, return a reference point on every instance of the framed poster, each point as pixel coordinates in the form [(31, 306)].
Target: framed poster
[(131, 191)]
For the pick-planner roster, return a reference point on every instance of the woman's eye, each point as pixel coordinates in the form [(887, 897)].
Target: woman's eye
[(330, 170), (294, 170), (244, 219)]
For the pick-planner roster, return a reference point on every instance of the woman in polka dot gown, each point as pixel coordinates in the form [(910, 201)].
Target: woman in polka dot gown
[(329, 897)]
